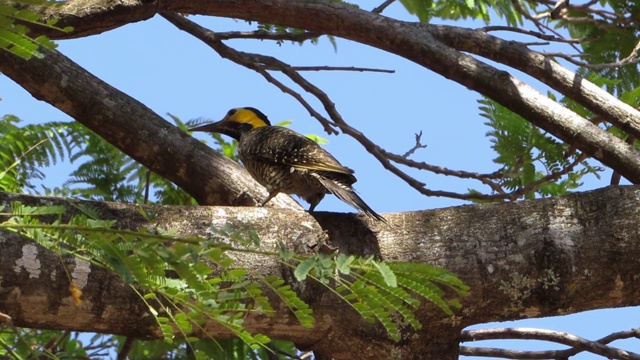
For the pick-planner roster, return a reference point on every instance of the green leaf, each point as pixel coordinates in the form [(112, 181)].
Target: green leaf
[(300, 309), (423, 9), (386, 272), (317, 139), (302, 270), (343, 263)]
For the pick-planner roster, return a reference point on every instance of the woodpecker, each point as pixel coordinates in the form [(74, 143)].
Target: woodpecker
[(283, 160)]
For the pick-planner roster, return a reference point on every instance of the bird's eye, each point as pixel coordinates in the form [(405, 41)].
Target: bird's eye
[(232, 111)]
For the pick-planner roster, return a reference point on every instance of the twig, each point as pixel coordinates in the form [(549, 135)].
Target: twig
[(340, 68), (577, 343), (266, 35), (147, 185), (632, 58), (274, 351), (53, 344), (401, 159), (616, 176), (252, 61), (126, 347), (536, 34), (262, 63), (380, 9), (415, 147), (542, 27)]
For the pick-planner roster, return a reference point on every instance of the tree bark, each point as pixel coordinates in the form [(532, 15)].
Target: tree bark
[(527, 259)]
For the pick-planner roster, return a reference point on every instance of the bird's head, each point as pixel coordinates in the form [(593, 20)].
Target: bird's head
[(236, 122)]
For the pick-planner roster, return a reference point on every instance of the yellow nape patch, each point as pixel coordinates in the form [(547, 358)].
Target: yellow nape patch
[(247, 116)]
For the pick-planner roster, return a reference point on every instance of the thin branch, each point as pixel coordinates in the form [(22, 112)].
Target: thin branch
[(626, 334), (340, 68), (380, 9), (267, 35), (542, 27), (126, 348), (415, 147), (577, 344), (274, 351), (401, 159), (53, 346), (632, 58), (536, 34), (252, 61), (147, 186), (616, 176), (262, 63)]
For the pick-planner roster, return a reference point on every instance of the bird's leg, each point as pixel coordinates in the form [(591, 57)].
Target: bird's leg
[(314, 201), (271, 195)]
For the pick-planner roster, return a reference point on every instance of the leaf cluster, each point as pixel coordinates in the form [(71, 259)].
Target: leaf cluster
[(26, 150), (387, 292), (186, 281), (16, 343), (529, 154), (609, 41), (16, 19), (426, 10), (102, 171)]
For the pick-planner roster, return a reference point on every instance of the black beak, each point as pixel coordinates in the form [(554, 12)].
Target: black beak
[(213, 127), (229, 128)]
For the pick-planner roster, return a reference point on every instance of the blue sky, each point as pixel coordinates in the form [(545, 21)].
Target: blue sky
[(171, 72)]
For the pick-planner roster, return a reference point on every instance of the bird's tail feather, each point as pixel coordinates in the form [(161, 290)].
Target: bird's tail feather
[(350, 197)]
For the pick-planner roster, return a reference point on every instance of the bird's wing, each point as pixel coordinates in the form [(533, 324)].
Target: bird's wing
[(286, 147)]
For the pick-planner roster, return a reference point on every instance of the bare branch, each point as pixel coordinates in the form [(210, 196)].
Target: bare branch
[(537, 34), (632, 58), (256, 62), (401, 159), (536, 21), (261, 63), (415, 147), (266, 35), (425, 45), (126, 348), (626, 334), (380, 9), (577, 343), (340, 68), (615, 176)]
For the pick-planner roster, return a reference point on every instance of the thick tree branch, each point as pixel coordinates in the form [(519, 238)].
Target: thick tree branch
[(417, 43), (527, 259), (519, 57), (422, 44), (136, 130)]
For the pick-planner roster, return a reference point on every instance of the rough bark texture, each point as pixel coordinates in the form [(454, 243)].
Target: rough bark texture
[(528, 259)]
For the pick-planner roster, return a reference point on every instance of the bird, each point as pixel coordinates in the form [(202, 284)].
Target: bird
[(284, 161)]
